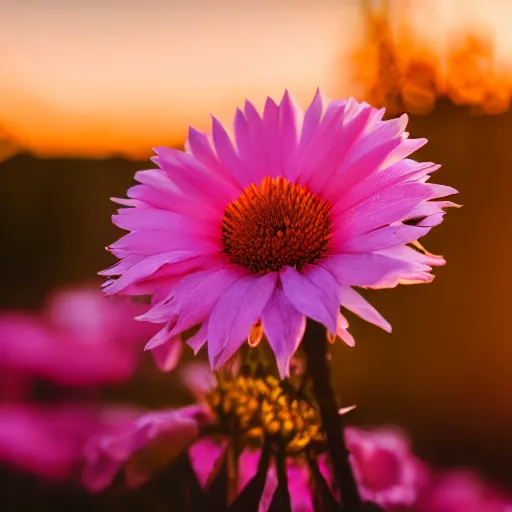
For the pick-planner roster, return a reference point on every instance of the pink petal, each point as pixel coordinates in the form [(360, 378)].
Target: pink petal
[(201, 147), (284, 327), (385, 207), (193, 178), (312, 118), (270, 140), (371, 155), (167, 356), (370, 269), (341, 331), (122, 266), (290, 120), (228, 155), (401, 172), (150, 196), (161, 282), (161, 337), (235, 313), (197, 341), (150, 242), (248, 141), (133, 219), (145, 268), (382, 238), (405, 148), (203, 455), (312, 157), (341, 142), (419, 264), (159, 191), (441, 190), (351, 300), (314, 293), (196, 294), (164, 433)]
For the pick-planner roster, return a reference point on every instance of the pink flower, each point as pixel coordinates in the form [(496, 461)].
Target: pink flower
[(46, 440), (205, 453), (139, 446), (80, 339), (385, 469), (278, 225), (463, 491)]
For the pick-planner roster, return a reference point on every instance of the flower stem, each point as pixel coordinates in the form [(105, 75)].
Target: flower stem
[(281, 500), (316, 350)]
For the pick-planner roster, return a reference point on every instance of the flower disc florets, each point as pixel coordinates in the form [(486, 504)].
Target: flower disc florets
[(274, 225), (259, 408)]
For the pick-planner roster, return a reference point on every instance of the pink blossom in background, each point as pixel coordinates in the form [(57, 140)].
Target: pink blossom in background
[(276, 225), (164, 434), (462, 491), (80, 339), (47, 440), (385, 468)]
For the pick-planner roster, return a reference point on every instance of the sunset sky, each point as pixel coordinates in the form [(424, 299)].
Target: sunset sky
[(95, 77)]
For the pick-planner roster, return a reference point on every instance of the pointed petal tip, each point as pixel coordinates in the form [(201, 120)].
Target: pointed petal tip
[(151, 345), (287, 98), (345, 410)]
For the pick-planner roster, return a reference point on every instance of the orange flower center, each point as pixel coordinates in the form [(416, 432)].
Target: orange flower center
[(276, 224)]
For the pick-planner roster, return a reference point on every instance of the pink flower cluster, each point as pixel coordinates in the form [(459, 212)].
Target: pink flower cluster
[(386, 470), (48, 439), (79, 342)]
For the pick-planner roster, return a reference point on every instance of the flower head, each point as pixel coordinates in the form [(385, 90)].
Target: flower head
[(277, 225)]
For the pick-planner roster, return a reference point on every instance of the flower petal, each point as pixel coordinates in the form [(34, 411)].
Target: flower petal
[(145, 268), (351, 300), (235, 313), (228, 155), (196, 294), (167, 356), (385, 207), (156, 438), (197, 341), (314, 293), (290, 120), (284, 327), (382, 238), (341, 331), (370, 269)]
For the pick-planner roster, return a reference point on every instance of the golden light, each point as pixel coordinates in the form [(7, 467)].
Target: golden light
[(415, 52)]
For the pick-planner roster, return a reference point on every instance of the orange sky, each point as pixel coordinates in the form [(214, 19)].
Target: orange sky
[(93, 77), (96, 77)]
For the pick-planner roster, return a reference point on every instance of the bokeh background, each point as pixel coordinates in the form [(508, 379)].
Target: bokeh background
[(88, 87)]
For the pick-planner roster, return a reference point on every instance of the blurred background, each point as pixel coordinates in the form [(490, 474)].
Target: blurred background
[(87, 88)]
